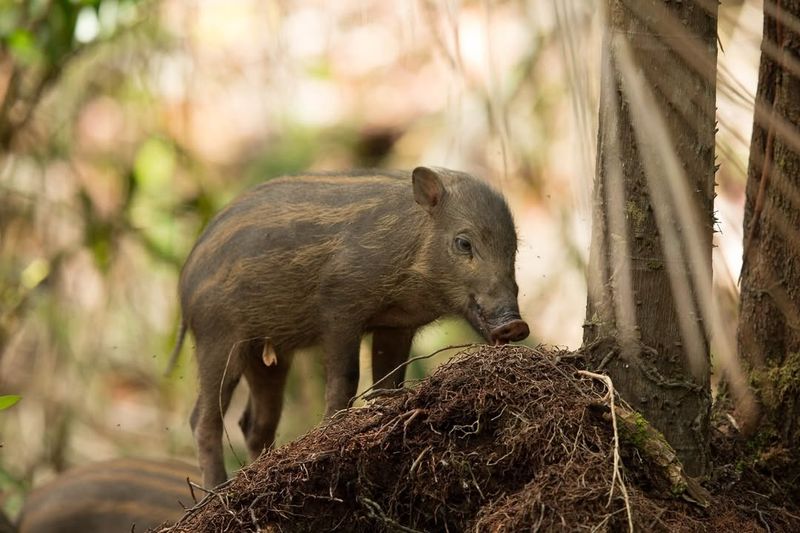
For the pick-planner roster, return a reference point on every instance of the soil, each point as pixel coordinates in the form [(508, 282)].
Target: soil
[(498, 439)]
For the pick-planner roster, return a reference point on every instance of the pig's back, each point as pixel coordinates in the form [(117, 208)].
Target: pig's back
[(306, 208), (110, 497)]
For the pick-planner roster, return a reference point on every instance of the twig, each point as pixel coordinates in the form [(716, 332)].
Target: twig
[(657, 519), (616, 476), (408, 421), (384, 393), (606, 359), (763, 520), (416, 462), (219, 396), (191, 490), (210, 493), (251, 508), (219, 401), (376, 512), (411, 360)]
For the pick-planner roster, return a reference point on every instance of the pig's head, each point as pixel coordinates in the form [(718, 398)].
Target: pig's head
[(472, 251)]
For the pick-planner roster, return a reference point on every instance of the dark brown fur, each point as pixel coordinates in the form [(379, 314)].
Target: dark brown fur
[(323, 259), (110, 497)]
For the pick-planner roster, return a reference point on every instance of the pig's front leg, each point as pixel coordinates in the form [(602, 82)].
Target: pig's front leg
[(390, 347), (341, 346)]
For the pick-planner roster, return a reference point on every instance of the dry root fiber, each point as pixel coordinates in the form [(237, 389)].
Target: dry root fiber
[(498, 439)]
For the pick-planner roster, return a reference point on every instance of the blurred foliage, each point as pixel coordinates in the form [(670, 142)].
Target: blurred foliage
[(8, 400), (38, 38)]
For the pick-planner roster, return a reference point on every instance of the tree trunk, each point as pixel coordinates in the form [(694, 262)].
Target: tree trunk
[(769, 321), (643, 289)]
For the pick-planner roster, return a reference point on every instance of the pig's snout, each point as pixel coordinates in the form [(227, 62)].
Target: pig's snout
[(512, 331)]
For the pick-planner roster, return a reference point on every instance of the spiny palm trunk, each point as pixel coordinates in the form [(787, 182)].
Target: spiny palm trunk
[(769, 322), (643, 290)]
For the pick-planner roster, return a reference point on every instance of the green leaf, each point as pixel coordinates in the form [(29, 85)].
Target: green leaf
[(8, 401), (22, 45), (154, 166), (10, 16)]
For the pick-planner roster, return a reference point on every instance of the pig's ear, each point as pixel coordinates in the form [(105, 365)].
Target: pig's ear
[(428, 188)]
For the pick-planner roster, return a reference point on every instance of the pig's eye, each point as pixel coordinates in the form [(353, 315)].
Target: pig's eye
[(463, 245)]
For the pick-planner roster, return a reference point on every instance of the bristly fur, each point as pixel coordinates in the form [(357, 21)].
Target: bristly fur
[(325, 258)]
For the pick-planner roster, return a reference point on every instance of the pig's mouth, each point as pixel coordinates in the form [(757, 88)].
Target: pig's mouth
[(508, 327), (477, 318)]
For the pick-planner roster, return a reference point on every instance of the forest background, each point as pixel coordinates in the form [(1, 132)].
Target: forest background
[(128, 124)]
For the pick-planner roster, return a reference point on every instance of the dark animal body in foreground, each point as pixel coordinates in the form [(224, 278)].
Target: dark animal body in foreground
[(110, 497), (324, 259)]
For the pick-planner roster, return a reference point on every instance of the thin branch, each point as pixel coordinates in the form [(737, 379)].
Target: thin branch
[(617, 476)]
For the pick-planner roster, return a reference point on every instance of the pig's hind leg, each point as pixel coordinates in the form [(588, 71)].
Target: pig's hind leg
[(219, 369), (266, 379)]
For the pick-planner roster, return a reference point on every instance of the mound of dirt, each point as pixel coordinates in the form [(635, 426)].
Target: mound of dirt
[(498, 439)]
